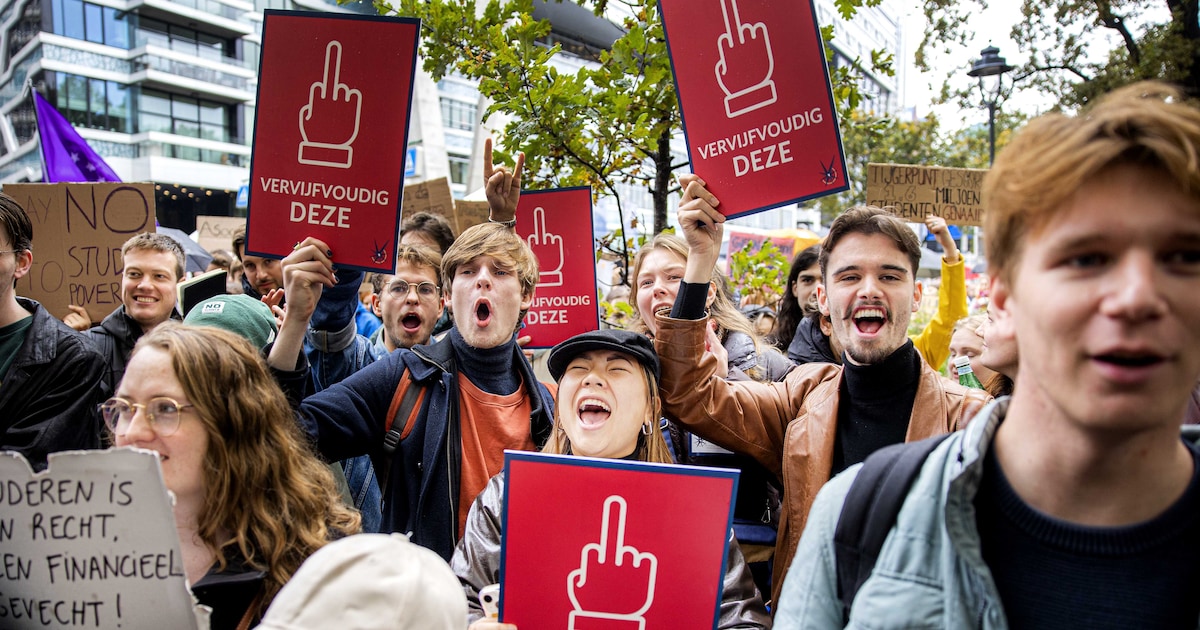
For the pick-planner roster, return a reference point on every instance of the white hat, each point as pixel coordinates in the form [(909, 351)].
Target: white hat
[(369, 581)]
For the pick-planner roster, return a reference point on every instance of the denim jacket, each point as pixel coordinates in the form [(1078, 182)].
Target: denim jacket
[(930, 572)]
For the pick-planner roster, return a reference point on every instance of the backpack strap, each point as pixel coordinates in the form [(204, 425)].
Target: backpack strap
[(405, 401), (870, 511)]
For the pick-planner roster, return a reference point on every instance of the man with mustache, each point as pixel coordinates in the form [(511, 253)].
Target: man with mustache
[(823, 418), (476, 394), (1076, 501)]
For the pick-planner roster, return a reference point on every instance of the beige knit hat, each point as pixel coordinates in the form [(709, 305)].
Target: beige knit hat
[(368, 582)]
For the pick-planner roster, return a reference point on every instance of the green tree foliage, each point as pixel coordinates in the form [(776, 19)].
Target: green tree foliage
[(598, 126), (1153, 39), (759, 273)]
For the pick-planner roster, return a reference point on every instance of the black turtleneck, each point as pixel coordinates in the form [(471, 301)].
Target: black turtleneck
[(490, 369), (1055, 574), (874, 406)]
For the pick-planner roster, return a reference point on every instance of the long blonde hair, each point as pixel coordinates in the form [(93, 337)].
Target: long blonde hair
[(651, 448), (722, 309), (267, 496)]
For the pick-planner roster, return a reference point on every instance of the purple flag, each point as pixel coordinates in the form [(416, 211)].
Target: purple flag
[(66, 156)]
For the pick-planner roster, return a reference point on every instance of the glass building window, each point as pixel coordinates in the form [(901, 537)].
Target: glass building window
[(184, 116), (458, 115), (90, 22), (93, 103), (459, 168)]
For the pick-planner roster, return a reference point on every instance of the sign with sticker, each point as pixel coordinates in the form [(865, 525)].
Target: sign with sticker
[(334, 101), (754, 92)]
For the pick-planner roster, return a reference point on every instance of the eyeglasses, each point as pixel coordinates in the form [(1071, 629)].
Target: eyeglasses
[(162, 412), (399, 289)]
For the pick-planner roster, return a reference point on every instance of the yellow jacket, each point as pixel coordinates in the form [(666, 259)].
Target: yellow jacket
[(934, 342)]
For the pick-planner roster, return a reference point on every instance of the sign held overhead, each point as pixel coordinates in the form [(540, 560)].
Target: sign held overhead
[(329, 160), (758, 111)]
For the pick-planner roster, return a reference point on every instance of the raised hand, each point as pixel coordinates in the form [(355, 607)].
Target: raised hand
[(329, 122), (703, 228), (503, 188)]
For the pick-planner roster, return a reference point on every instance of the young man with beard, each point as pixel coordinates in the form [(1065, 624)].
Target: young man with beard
[(50, 376), (822, 418), (154, 265), (1074, 503), (478, 395)]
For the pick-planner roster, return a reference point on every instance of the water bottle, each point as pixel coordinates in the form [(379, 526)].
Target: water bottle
[(966, 376)]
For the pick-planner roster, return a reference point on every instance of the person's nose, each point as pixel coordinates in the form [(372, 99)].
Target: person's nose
[(139, 429), (484, 278), (594, 378), (1136, 291), (869, 289)]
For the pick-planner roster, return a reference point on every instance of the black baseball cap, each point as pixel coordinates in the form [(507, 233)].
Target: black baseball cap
[(634, 344)]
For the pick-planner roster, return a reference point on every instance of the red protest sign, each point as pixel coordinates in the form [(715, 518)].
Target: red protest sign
[(557, 224), (334, 95), (638, 543), (757, 108)]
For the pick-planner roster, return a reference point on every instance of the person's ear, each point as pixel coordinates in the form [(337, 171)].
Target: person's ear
[(24, 264), (527, 300), (375, 305), (822, 300), (712, 295), (998, 294), (916, 304)]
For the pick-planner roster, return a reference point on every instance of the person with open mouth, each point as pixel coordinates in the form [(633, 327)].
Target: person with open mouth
[(822, 418), (435, 419), (608, 407)]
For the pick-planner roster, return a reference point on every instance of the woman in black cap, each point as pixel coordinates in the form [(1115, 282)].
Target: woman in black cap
[(594, 420)]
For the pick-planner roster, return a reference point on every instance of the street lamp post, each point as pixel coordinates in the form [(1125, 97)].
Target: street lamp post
[(990, 64)]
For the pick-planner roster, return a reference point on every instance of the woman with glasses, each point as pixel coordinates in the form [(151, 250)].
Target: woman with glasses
[(251, 501)]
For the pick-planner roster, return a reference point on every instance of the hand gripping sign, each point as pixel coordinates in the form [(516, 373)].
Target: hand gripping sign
[(759, 139), (610, 562), (636, 546), (331, 100), (744, 92), (325, 81)]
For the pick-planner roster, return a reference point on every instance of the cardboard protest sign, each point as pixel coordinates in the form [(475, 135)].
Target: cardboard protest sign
[(433, 196), (90, 542), (215, 233), (469, 213), (915, 192), (758, 113), (643, 544), (78, 230), (557, 224), (329, 153)]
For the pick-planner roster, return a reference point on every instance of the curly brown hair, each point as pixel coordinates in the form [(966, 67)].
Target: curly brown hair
[(267, 495)]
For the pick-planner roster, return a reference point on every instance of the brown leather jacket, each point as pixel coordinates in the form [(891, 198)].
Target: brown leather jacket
[(789, 427)]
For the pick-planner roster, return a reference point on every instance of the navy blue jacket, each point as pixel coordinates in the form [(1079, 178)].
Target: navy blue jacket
[(350, 418)]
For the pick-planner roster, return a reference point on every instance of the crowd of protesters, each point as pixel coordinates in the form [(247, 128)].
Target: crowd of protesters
[(323, 432)]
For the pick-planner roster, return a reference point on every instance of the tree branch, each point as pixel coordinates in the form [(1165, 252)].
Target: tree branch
[(1117, 23)]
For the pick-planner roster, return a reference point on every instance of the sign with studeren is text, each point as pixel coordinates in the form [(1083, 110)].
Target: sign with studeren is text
[(639, 544), (915, 192), (334, 100), (90, 542), (78, 231), (557, 224), (758, 111)]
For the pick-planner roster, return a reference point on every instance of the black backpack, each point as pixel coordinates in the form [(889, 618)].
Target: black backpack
[(870, 511)]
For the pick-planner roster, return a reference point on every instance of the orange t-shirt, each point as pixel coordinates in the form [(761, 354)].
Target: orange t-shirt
[(490, 424)]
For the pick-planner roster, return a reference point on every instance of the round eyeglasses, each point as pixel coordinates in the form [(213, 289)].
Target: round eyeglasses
[(162, 413), (399, 289)]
